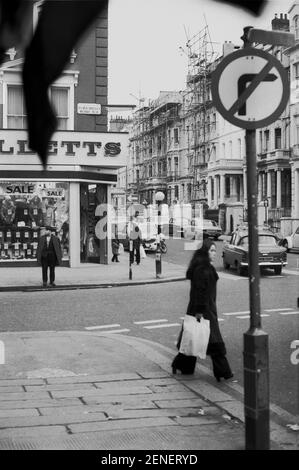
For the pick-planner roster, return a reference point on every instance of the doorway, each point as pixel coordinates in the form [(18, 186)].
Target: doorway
[(92, 249)]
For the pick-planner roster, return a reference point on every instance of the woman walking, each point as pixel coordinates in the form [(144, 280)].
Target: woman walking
[(202, 303)]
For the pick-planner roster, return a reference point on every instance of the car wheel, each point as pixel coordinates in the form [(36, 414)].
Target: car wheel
[(277, 270), (285, 245), (163, 248), (240, 269)]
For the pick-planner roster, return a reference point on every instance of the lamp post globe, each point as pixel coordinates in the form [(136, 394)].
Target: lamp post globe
[(159, 197)]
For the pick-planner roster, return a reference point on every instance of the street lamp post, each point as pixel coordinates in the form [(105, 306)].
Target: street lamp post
[(159, 197)]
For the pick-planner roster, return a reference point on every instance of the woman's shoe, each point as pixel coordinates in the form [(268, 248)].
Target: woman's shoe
[(228, 377), (218, 378), (174, 370)]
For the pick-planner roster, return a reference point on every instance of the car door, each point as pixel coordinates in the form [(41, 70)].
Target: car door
[(296, 239), (229, 250)]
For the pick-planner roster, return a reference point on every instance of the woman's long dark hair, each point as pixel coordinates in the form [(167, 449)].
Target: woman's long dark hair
[(200, 256)]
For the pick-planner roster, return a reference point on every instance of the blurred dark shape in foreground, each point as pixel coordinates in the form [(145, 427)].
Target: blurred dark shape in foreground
[(61, 24), (254, 6)]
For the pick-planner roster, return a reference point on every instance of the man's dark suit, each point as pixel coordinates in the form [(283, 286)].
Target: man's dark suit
[(48, 256)]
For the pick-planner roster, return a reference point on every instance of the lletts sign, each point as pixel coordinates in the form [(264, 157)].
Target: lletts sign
[(70, 147)]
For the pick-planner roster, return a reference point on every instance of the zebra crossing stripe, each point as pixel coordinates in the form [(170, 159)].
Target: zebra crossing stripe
[(101, 327), (289, 313), (277, 309), (163, 325), (236, 313), (248, 316), (149, 321), (125, 330)]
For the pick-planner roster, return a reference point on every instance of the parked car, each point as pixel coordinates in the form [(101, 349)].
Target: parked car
[(271, 255), (207, 228), (291, 242)]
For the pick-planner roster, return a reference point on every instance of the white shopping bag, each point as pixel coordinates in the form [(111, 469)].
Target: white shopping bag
[(142, 252), (121, 249), (195, 337)]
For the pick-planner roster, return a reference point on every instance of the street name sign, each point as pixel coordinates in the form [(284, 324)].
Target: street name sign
[(89, 108), (250, 88)]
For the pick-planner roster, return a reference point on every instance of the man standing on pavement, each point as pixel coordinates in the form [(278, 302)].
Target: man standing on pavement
[(135, 235), (48, 255)]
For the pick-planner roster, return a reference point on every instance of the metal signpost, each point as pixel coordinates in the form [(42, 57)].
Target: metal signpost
[(130, 257), (250, 89)]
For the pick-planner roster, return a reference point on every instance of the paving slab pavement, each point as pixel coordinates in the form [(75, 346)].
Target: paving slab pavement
[(91, 275), (90, 390)]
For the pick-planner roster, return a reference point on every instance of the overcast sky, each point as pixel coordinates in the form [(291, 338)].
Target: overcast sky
[(145, 37)]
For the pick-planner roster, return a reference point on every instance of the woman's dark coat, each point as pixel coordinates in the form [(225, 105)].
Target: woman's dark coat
[(204, 277)]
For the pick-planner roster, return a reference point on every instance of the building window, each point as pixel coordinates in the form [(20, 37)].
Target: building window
[(227, 186), (296, 27), (230, 149), (296, 70), (159, 143), (278, 138), (150, 147), (176, 135), (239, 148), (150, 171), (266, 140), (16, 111), (176, 192), (60, 99), (176, 166), (261, 141)]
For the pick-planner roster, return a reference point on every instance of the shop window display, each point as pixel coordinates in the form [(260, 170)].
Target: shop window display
[(25, 207)]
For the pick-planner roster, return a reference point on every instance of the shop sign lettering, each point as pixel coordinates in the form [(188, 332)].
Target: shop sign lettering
[(55, 193), (20, 189), (69, 148)]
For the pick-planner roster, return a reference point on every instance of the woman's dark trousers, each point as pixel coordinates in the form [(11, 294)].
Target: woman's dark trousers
[(221, 366)]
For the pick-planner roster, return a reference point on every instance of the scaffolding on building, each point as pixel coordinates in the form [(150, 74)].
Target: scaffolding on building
[(202, 60)]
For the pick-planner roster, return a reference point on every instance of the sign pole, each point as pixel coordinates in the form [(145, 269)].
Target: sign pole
[(256, 355)]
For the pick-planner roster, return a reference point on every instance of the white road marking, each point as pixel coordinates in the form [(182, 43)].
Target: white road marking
[(288, 271), (101, 327), (236, 313), (149, 321), (278, 309), (248, 316), (289, 313), (125, 330), (232, 277), (165, 325)]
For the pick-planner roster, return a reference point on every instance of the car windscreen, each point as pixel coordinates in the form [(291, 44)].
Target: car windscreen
[(264, 240)]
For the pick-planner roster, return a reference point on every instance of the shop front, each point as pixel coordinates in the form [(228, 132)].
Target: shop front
[(71, 197)]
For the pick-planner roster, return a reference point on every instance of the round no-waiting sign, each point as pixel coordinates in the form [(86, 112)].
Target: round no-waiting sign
[(250, 88)]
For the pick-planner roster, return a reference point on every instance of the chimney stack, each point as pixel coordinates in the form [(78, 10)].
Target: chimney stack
[(280, 24)]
